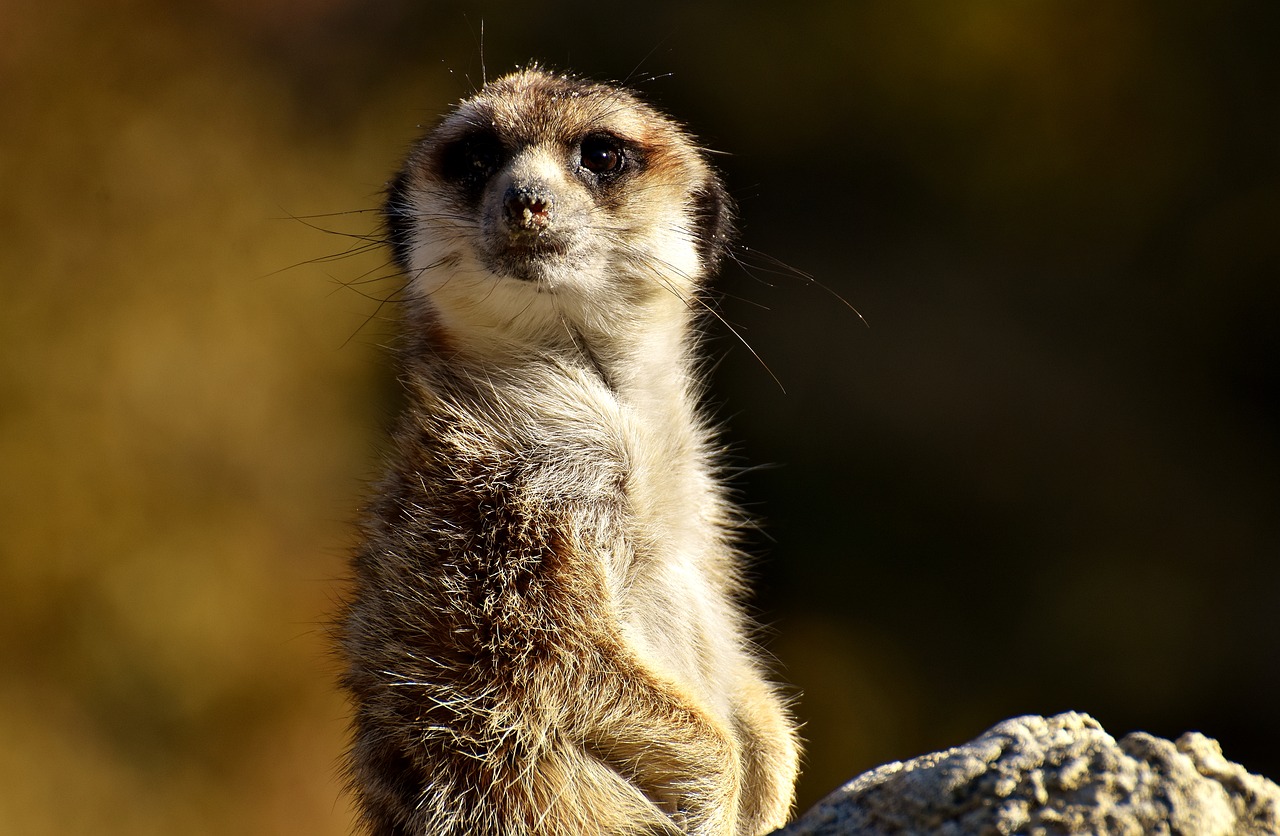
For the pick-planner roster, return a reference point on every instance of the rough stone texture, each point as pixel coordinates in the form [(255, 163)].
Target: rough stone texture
[(1054, 775)]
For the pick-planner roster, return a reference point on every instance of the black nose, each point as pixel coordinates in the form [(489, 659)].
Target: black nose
[(529, 207)]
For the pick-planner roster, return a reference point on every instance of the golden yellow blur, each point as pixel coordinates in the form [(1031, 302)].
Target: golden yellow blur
[(183, 429)]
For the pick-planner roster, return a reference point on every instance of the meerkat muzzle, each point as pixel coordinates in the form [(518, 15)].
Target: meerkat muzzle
[(529, 208)]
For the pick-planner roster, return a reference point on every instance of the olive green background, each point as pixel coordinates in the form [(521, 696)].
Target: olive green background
[(1044, 476)]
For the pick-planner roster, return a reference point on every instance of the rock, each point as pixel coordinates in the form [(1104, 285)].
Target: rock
[(1054, 775)]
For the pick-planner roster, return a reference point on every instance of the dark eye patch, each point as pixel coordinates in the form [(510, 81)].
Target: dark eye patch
[(472, 159)]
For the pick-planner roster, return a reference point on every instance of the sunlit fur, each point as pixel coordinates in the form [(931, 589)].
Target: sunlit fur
[(543, 636)]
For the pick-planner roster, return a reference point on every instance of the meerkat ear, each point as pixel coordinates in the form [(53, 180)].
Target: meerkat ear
[(713, 217), (397, 219)]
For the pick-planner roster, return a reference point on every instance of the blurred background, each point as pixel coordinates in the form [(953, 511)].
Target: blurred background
[(1044, 476)]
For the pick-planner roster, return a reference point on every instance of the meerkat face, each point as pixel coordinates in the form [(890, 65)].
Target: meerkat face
[(544, 196)]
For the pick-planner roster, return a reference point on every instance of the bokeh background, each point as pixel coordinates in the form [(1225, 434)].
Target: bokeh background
[(1044, 476)]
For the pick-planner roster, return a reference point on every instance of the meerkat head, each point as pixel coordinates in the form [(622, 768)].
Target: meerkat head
[(545, 201)]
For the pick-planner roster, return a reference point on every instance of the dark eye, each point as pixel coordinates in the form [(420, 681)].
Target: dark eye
[(602, 155), (472, 159)]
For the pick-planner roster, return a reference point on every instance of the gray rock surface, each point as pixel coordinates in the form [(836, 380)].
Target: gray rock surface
[(1053, 775)]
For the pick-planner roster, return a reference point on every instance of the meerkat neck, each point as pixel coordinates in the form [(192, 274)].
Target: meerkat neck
[(644, 359), (647, 364)]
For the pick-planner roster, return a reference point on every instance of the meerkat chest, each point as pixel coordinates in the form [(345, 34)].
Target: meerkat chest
[(675, 605), (639, 468)]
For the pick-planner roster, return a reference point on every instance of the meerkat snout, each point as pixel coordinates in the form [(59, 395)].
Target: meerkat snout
[(529, 207)]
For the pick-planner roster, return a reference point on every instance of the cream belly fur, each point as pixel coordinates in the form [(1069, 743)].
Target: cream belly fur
[(543, 635)]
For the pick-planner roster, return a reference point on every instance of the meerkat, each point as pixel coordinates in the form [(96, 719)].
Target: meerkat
[(544, 634)]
